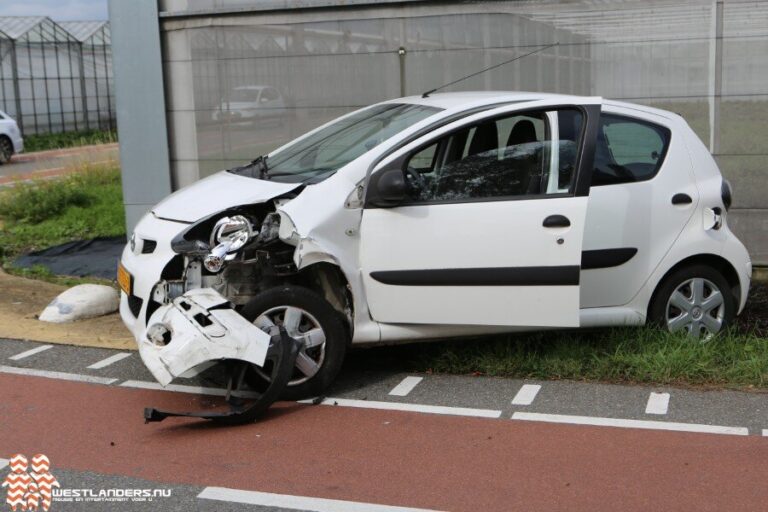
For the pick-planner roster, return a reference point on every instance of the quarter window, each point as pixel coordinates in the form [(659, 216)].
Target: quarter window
[(529, 154), (628, 150)]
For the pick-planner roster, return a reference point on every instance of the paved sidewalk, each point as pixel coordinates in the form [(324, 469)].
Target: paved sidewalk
[(47, 164)]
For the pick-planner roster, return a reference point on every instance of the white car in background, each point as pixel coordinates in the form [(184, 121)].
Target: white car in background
[(429, 217), (11, 141), (250, 103)]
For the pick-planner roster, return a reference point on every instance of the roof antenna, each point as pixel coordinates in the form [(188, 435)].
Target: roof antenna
[(426, 94)]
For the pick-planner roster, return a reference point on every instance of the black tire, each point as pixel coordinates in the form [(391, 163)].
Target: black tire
[(657, 311), (330, 320), (6, 149)]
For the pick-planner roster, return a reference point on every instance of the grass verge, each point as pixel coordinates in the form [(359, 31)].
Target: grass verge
[(737, 358), (83, 204), (47, 141), (627, 355)]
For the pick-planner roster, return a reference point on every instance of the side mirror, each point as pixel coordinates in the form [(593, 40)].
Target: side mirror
[(389, 189)]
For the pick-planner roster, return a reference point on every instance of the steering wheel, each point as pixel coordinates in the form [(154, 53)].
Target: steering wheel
[(416, 178)]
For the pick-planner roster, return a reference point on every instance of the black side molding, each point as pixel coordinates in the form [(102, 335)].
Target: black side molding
[(605, 258), (495, 276), (681, 199)]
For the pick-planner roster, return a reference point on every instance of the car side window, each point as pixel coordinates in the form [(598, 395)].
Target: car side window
[(269, 95), (628, 150), (530, 154)]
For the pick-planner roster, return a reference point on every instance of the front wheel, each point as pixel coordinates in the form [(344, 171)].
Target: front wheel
[(6, 150), (309, 318), (695, 299)]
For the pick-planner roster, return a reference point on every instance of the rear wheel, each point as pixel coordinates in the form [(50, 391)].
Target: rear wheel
[(309, 318), (696, 300), (6, 150)]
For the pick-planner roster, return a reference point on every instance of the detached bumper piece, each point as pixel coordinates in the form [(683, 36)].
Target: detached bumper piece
[(198, 327), (202, 326), (282, 353)]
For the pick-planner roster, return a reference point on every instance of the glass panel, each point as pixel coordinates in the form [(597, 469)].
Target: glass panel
[(514, 156)]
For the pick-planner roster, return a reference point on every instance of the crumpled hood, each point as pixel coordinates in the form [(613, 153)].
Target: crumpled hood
[(216, 193)]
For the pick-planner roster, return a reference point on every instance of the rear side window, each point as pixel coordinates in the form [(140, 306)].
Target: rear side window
[(628, 150)]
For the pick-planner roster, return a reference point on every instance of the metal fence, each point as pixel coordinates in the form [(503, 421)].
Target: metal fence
[(56, 77), (705, 59)]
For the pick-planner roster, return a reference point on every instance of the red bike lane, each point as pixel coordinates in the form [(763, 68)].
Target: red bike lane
[(385, 457)]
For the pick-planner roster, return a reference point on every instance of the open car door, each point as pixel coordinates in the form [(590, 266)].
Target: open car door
[(481, 222)]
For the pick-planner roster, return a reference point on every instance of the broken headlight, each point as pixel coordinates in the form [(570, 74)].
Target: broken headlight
[(229, 235)]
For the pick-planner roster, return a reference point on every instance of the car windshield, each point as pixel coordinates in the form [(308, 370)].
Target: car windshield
[(326, 151)]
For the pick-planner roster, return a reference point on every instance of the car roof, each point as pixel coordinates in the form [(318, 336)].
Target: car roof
[(471, 99)]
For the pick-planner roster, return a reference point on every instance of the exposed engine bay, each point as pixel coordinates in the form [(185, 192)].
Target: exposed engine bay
[(194, 313)]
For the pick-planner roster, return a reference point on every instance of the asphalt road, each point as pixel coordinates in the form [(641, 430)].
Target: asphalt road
[(52, 163), (384, 440)]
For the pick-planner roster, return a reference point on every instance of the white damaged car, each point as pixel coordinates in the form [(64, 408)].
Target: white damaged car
[(428, 217)]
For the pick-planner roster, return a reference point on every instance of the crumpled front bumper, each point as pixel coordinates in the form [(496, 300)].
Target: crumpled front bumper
[(197, 327)]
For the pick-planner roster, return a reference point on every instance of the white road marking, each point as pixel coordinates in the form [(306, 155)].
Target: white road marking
[(622, 423), (31, 352), (180, 388), (56, 375), (526, 395), (194, 372), (110, 360), (400, 406), (286, 501), (658, 403), (765, 432), (3, 463), (406, 386)]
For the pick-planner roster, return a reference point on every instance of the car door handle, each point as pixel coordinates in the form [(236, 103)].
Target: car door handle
[(556, 221), (681, 199)]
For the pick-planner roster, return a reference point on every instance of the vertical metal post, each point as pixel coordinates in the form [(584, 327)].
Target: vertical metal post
[(716, 77), (58, 76), (83, 91), (72, 83), (96, 86), (401, 52), (3, 80), (44, 53), (16, 88), (32, 81), (106, 81)]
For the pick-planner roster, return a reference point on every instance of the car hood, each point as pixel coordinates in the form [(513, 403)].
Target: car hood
[(216, 193)]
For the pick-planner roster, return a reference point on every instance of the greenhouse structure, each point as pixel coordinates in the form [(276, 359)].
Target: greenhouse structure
[(56, 77)]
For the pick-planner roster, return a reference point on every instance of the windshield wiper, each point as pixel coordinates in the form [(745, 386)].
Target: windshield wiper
[(256, 169)]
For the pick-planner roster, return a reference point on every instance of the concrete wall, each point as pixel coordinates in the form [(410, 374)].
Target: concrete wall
[(706, 59)]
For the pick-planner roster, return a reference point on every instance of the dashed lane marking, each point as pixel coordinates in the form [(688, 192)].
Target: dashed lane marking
[(56, 375), (658, 403), (405, 386), (30, 352), (110, 360), (401, 406), (526, 395), (285, 501), (624, 423)]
